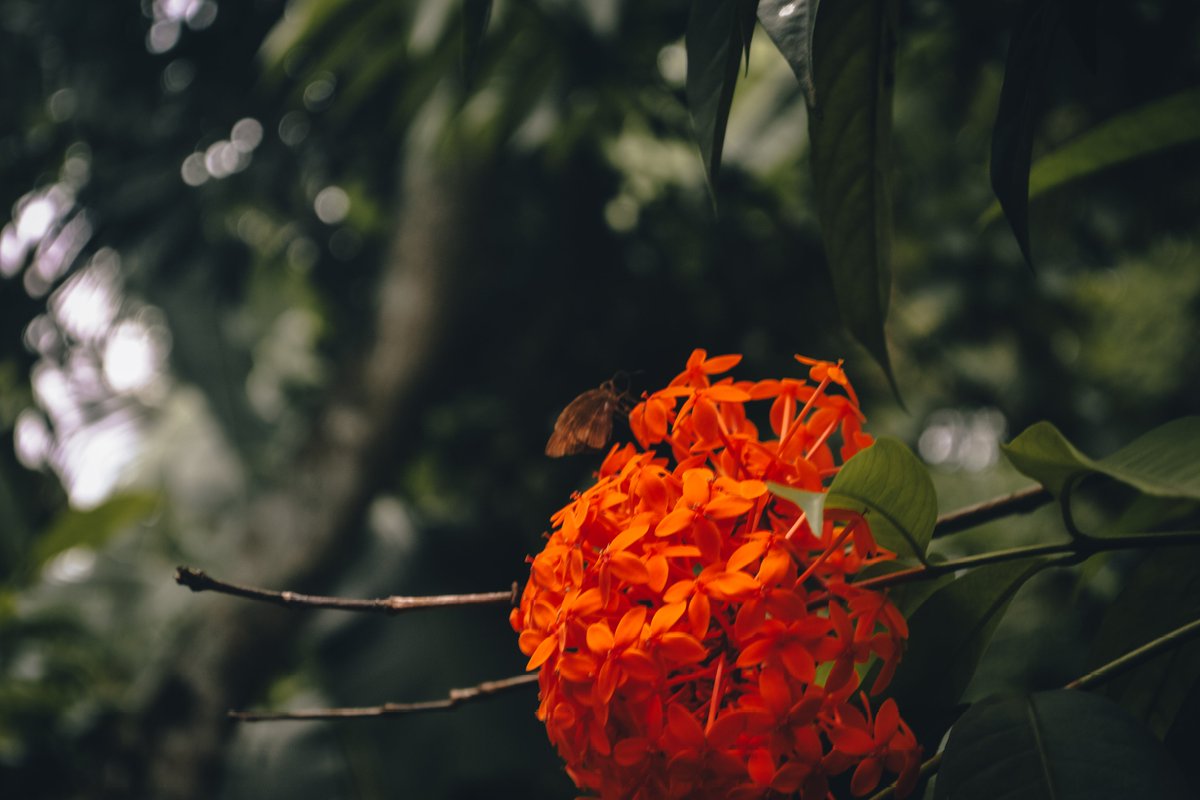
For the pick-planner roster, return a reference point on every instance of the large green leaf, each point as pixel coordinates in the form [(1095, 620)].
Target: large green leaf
[(1020, 109), (1139, 132), (948, 634), (891, 487), (94, 527), (853, 55), (1059, 745), (1164, 462), (1162, 594), (718, 33), (790, 24)]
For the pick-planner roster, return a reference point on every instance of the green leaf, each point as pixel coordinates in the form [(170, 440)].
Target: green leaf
[(1020, 109), (1164, 462), (1059, 745), (1137, 133), (891, 487), (948, 634), (718, 33), (1162, 594), (811, 503), (92, 528), (853, 64), (790, 24)]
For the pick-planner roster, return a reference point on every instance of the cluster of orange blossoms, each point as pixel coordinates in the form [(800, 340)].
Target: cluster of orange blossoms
[(696, 637)]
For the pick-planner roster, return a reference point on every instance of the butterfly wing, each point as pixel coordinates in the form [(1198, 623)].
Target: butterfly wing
[(585, 424)]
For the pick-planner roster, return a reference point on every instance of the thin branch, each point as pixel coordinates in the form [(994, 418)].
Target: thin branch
[(453, 699), (1021, 501), (199, 581), (1135, 657)]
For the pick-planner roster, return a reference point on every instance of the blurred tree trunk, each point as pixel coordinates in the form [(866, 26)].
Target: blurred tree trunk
[(298, 534)]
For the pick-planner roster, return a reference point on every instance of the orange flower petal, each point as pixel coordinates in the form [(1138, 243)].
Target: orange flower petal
[(761, 767), (629, 568), (529, 640), (773, 686), (699, 615), (628, 537), (599, 638), (629, 752), (851, 741), (639, 665), (866, 776), (665, 617), (726, 506), (542, 653), (681, 648), (720, 363), (745, 554), (684, 727), (708, 538), (629, 629), (674, 522), (732, 586), (578, 667), (659, 571)]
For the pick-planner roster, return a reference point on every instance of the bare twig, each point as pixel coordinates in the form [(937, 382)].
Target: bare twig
[(453, 699), (199, 581), (1019, 502)]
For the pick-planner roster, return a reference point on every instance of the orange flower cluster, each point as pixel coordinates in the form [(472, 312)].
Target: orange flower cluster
[(696, 637)]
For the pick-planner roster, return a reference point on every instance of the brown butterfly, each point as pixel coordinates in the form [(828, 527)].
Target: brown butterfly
[(587, 421)]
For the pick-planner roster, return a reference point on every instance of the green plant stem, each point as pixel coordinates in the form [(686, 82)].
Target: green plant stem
[(1101, 675), (1133, 658), (936, 570), (1021, 501), (1073, 551)]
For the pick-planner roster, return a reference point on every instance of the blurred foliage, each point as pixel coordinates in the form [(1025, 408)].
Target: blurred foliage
[(592, 247)]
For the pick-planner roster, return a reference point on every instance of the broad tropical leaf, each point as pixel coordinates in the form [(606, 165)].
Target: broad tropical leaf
[(853, 61), (891, 488), (1059, 745), (718, 34), (1162, 594), (1164, 462), (790, 24), (1137, 133), (1020, 110), (948, 635)]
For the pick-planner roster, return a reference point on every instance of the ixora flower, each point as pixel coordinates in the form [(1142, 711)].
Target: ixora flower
[(695, 636)]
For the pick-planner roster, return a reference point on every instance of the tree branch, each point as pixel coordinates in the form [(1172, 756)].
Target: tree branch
[(200, 581), (453, 699)]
